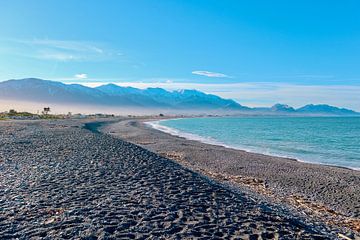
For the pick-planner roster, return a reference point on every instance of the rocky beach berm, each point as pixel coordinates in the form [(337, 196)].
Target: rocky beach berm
[(65, 180)]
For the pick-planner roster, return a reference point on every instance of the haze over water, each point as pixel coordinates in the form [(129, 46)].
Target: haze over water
[(325, 140)]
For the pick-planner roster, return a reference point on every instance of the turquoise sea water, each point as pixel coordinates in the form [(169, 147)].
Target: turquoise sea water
[(326, 140)]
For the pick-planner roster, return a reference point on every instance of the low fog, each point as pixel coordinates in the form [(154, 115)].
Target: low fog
[(56, 108)]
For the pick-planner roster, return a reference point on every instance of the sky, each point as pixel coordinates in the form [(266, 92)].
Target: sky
[(256, 52)]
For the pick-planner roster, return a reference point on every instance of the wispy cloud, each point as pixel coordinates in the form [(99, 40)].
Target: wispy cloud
[(314, 76), (79, 46), (306, 76), (211, 74), (62, 50), (81, 76), (58, 56)]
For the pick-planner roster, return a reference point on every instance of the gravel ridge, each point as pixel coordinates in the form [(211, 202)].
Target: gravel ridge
[(60, 180)]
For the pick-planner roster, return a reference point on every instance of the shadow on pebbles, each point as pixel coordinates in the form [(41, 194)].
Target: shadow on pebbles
[(58, 180)]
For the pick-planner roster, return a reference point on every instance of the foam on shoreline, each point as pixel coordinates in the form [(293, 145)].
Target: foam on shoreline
[(189, 136), (208, 140)]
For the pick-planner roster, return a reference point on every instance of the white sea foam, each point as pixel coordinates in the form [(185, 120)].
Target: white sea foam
[(208, 140), (188, 136)]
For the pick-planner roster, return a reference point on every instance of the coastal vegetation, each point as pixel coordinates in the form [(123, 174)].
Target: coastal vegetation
[(23, 115), (19, 115), (13, 114)]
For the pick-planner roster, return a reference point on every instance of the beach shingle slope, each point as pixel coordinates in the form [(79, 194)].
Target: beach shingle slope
[(59, 180), (323, 189)]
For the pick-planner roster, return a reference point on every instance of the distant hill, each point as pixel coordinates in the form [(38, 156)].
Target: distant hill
[(282, 108), (325, 109), (181, 99), (45, 91), (309, 110), (114, 96)]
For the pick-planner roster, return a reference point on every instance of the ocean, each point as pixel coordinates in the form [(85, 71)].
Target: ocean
[(324, 140)]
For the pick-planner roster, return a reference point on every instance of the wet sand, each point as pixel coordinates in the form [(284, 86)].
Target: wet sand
[(328, 194)]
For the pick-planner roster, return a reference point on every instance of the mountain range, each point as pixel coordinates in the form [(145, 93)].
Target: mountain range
[(111, 95)]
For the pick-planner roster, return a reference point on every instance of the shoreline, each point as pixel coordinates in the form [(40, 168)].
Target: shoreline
[(194, 137), (66, 179), (328, 193)]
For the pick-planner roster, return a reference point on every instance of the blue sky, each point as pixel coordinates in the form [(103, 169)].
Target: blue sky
[(257, 52)]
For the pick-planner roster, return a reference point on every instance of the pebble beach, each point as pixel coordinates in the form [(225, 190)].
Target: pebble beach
[(66, 180)]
